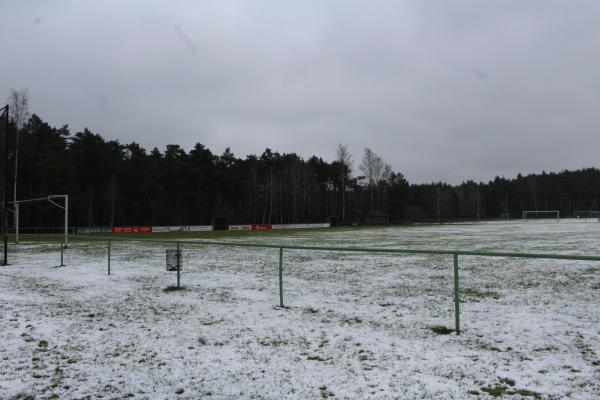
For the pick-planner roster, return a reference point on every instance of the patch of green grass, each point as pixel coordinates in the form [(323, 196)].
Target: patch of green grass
[(325, 393), (546, 348), (211, 321), (441, 330), (210, 235), (173, 288), (273, 342), (526, 393), (494, 391), (27, 337), (57, 377), (502, 389), (351, 320), (493, 348), (23, 396), (473, 293), (571, 369), (508, 381), (528, 284), (310, 310)]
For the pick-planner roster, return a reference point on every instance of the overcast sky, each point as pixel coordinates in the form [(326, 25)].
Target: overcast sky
[(441, 90)]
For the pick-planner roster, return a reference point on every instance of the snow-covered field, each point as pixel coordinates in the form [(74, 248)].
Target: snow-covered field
[(358, 326)]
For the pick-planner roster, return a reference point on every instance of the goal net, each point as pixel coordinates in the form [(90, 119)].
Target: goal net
[(541, 215), (587, 214), (53, 199)]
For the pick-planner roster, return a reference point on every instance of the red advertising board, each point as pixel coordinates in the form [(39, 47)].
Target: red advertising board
[(262, 227), (132, 229)]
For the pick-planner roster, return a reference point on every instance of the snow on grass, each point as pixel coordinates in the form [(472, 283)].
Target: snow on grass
[(354, 326)]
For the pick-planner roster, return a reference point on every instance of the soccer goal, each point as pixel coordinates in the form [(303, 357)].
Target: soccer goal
[(587, 214), (545, 214), (53, 198)]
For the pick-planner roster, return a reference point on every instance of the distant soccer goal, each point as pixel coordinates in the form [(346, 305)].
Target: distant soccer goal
[(51, 199), (586, 214), (538, 215)]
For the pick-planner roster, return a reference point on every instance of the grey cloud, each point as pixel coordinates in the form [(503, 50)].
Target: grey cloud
[(449, 90), (186, 40)]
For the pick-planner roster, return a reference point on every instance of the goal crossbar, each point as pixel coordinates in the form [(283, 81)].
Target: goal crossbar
[(553, 214), (51, 199)]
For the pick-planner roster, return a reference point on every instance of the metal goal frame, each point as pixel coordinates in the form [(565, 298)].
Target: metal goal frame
[(586, 214), (52, 199), (548, 212)]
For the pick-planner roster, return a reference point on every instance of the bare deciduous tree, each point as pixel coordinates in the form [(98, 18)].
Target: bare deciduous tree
[(18, 102), (374, 169)]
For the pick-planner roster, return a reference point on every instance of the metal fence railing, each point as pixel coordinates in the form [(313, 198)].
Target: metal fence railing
[(454, 253)]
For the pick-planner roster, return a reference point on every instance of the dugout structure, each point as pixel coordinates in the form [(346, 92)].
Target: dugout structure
[(53, 198)]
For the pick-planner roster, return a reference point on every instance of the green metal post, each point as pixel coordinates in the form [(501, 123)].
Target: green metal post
[(109, 257), (456, 296), (178, 265), (62, 248), (281, 277)]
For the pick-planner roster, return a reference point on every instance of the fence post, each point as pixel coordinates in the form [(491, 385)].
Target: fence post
[(456, 296), (109, 256), (178, 265), (62, 250), (281, 277)]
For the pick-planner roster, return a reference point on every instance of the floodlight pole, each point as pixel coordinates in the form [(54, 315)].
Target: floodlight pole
[(66, 220), (16, 223), (5, 204)]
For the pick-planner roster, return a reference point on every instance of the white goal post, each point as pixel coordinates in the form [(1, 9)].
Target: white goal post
[(544, 214), (51, 198)]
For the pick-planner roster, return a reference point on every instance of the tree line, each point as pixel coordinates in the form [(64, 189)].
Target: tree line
[(110, 183)]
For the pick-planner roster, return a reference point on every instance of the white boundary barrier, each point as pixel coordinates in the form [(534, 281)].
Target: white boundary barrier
[(183, 228), (93, 230), (257, 227), (240, 227), (300, 226), (197, 228)]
